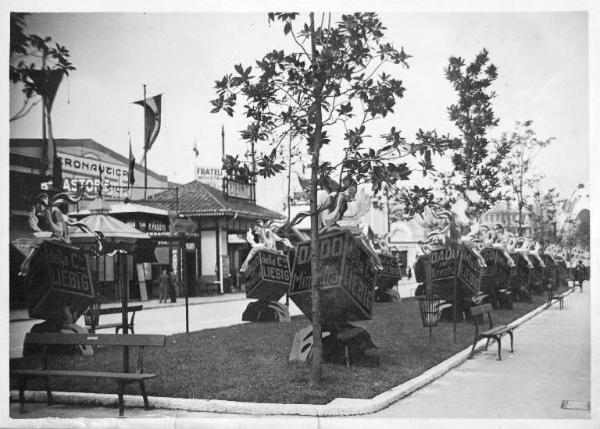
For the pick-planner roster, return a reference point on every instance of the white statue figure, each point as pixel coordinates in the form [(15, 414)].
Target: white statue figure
[(263, 238)]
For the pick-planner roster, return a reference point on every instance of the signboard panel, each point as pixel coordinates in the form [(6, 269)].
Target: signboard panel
[(522, 270), (551, 270), (442, 263), (470, 265), (268, 276), (85, 171), (60, 278), (211, 176), (391, 272)]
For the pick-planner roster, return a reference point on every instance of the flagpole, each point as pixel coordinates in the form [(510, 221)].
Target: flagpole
[(145, 147), (222, 141)]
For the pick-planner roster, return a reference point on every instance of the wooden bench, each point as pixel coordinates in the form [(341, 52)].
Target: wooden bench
[(552, 298), (92, 318), (122, 378), (492, 333)]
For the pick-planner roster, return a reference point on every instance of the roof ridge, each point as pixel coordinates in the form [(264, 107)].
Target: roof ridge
[(208, 190)]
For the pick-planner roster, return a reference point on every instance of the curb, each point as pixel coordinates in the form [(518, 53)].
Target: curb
[(336, 408)]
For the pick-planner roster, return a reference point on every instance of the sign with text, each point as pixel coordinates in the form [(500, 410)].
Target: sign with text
[(390, 272), (443, 263), (59, 279), (470, 267), (496, 273), (523, 270), (211, 176), (267, 277), (84, 171), (238, 189), (347, 278)]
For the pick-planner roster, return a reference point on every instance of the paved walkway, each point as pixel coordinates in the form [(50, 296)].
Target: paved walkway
[(551, 364)]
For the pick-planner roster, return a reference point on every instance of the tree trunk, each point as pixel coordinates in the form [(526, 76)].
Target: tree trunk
[(317, 348)]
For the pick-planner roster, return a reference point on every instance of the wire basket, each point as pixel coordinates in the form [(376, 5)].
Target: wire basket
[(91, 315), (429, 307)]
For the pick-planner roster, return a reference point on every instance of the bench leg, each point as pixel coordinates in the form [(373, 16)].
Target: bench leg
[(131, 329), (144, 395), (510, 333), (487, 343), (472, 354), (48, 392), (499, 341), (121, 404)]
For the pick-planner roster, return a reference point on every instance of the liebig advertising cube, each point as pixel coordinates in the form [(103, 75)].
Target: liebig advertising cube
[(551, 271), (391, 273), (59, 278), (520, 275), (462, 261), (268, 276), (496, 274), (347, 279)]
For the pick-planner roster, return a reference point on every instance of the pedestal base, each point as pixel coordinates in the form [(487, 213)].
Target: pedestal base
[(264, 311), (344, 345)]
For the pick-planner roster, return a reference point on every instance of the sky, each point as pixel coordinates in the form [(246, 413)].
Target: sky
[(542, 60)]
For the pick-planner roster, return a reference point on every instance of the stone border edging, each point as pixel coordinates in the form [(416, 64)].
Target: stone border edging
[(354, 407)]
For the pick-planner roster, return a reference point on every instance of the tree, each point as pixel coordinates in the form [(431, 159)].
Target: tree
[(328, 85), (30, 57), (543, 210), (477, 162), (517, 172)]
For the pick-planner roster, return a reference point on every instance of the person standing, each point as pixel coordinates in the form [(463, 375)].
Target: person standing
[(172, 286), (580, 275), (163, 286)]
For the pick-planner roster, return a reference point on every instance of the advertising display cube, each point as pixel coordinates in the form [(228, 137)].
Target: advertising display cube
[(536, 279), (464, 262), (496, 273), (521, 273), (268, 276), (551, 271), (347, 279), (563, 272), (59, 279), (391, 272)]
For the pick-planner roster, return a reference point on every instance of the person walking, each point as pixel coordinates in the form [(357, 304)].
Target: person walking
[(580, 275), (163, 286)]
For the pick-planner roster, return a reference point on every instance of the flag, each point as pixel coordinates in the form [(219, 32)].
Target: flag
[(196, 153), (152, 119), (130, 175)]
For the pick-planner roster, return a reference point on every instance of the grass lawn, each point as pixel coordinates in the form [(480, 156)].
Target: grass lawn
[(249, 362)]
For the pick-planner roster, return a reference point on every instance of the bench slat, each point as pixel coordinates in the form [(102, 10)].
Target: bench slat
[(480, 309), (496, 330), (103, 339), (106, 325), (62, 373)]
